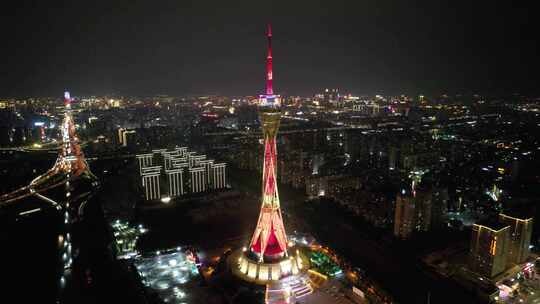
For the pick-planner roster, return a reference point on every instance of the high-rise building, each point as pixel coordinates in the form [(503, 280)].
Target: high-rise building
[(175, 181), (128, 137), (198, 179), (331, 185), (330, 97), (424, 209), (488, 253), (186, 171), (150, 179), (219, 177), (404, 221), (124, 135), (120, 135), (412, 212), (520, 237), (439, 208)]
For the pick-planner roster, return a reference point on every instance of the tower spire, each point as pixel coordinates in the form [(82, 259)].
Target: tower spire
[(269, 88)]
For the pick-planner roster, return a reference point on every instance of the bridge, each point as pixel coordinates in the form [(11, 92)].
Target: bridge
[(62, 191), (69, 166)]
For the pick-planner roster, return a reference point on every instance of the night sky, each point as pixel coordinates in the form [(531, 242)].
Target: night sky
[(218, 47)]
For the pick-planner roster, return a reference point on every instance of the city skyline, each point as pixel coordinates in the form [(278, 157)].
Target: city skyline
[(181, 49), (165, 190)]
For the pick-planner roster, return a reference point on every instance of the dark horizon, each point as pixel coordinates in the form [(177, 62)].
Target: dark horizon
[(214, 48)]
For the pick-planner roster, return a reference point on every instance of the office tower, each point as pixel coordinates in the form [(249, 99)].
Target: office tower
[(520, 237), (488, 253)]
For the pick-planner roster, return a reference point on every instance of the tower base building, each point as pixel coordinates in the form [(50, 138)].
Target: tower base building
[(248, 267)]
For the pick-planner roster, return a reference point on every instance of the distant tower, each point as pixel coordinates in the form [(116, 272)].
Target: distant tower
[(67, 100)]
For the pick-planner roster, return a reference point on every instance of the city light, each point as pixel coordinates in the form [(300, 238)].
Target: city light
[(407, 155)]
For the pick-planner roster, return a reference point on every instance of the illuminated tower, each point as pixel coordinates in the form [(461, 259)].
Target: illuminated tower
[(267, 258), (269, 238), (67, 100)]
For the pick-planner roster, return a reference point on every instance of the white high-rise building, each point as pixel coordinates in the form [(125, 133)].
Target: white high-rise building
[(186, 172), (198, 179), (145, 160), (208, 167), (218, 171), (150, 178), (175, 181), (125, 137)]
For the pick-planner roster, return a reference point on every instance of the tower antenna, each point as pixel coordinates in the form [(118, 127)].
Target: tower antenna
[(269, 76)]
